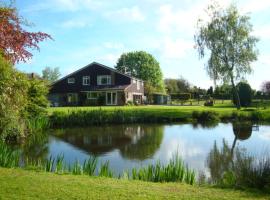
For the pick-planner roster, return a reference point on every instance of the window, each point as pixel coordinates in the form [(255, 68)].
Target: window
[(71, 80), (92, 95), (72, 97), (104, 80), (134, 81), (86, 80), (138, 85)]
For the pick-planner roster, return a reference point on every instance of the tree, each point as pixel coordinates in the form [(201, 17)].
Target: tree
[(15, 40), (13, 100), (51, 74), (210, 91), (144, 66), (245, 94), (230, 46), (180, 85)]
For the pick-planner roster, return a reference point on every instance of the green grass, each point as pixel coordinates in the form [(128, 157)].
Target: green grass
[(87, 116), (23, 184)]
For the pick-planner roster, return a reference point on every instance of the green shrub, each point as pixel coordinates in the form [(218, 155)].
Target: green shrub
[(245, 94)]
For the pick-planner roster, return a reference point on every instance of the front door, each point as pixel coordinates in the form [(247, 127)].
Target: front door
[(111, 98)]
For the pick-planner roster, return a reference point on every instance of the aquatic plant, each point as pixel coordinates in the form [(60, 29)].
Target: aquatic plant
[(90, 165), (8, 157), (174, 171), (105, 170)]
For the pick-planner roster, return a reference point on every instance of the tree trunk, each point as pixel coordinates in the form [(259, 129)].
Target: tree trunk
[(236, 95)]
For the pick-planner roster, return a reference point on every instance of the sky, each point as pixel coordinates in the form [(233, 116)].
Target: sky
[(84, 31)]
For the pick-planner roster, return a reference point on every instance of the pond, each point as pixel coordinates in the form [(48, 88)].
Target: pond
[(129, 146)]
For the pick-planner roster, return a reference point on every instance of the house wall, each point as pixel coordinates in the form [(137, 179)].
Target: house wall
[(93, 71)]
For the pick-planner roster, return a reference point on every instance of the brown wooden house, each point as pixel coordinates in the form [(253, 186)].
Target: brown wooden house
[(96, 84)]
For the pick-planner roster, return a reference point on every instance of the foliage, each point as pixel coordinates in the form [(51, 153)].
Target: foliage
[(245, 94), (51, 74), (37, 98), (180, 85), (175, 171), (223, 92), (15, 40), (23, 103), (13, 98), (182, 97), (8, 157), (233, 167), (144, 66), (210, 91), (231, 47), (205, 116)]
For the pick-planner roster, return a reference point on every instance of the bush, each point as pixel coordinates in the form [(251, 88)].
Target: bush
[(22, 102), (245, 94)]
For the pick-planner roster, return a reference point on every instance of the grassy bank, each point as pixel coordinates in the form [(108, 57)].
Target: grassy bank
[(85, 116), (23, 184)]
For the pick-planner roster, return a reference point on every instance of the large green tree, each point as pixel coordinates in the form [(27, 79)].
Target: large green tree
[(227, 41), (144, 66)]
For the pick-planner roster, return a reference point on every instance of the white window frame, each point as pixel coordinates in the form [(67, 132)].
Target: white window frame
[(138, 85), (85, 78), (108, 77), (71, 80), (89, 95)]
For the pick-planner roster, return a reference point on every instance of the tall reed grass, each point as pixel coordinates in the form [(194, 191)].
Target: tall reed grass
[(8, 157), (174, 171)]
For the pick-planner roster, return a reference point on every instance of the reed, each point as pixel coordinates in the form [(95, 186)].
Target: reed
[(90, 165), (76, 168), (105, 170), (174, 171), (8, 157)]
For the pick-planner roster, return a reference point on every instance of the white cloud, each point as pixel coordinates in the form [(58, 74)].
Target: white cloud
[(75, 23), (262, 32), (175, 49), (126, 14), (113, 45), (255, 6)]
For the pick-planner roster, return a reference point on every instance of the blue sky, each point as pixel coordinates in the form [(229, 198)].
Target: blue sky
[(101, 30)]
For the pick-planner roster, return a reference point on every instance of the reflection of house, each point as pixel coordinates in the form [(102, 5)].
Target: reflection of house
[(96, 84)]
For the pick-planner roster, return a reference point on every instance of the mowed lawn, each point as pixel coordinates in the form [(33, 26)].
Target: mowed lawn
[(22, 184), (223, 109)]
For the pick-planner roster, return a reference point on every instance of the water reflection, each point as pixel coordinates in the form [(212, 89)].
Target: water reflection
[(221, 160), (134, 141), (35, 148)]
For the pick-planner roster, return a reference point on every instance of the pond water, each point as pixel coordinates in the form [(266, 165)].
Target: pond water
[(129, 146)]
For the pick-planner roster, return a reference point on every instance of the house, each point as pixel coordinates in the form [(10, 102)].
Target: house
[(96, 84)]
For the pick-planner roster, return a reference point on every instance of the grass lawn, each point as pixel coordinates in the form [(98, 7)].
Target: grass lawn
[(224, 110), (23, 184)]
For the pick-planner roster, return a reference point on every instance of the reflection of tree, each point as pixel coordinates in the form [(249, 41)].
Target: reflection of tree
[(208, 124), (35, 148), (146, 146), (133, 141), (228, 158), (242, 131), (219, 161)]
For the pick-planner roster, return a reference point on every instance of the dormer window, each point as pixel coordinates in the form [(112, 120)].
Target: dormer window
[(71, 80), (86, 80), (104, 80)]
